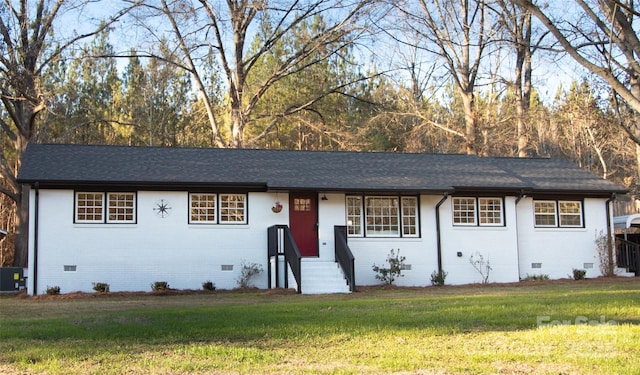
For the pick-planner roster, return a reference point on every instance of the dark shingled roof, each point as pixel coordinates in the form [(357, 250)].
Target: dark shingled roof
[(155, 167)]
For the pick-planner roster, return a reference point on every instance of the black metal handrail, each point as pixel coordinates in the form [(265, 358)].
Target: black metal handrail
[(344, 257), (628, 255), (272, 251), (281, 242)]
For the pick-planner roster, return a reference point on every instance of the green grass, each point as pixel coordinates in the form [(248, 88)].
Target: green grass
[(473, 329)]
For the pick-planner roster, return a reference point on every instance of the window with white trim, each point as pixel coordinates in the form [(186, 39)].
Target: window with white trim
[(554, 214), (121, 207), (464, 211), (570, 214), (202, 208), (98, 207), (490, 211), (482, 211), (382, 216), (210, 208), (354, 216), (409, 216), (233, 208), (89, 207), (545, 213)]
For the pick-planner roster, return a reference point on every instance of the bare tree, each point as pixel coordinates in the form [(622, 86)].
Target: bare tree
[(459, 32), (27, 48), (234, 33), (517, 24), (600, 35)]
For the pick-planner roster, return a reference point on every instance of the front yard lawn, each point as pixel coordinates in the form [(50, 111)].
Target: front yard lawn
[(568, 327)]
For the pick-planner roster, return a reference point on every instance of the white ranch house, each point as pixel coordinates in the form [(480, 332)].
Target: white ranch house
[(130, 216)]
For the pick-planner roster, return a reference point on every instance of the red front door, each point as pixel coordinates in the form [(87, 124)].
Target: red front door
[(303, 220)]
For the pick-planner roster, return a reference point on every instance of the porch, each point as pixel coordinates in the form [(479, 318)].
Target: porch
[(287, 268), (627, 243)]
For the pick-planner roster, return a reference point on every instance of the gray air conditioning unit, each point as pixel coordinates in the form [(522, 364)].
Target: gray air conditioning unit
[(11, 279)]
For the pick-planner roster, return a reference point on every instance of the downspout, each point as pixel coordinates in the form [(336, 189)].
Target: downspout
[(35, 238), (438, 240), (518, 199), (609, 233), (520, 196)]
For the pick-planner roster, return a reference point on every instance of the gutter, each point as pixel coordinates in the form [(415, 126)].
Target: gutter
[(520, 196), (438, 239), (35, 238), (518, 199)]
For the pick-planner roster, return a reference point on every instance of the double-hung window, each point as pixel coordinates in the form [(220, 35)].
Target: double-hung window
[(89, 207), (233, 208), (464, 211), (382, 216), (490, 211), (553, 214), (354, 216), (99, 207), (471, 211), (210, 208), (202, 208), (121, 207)]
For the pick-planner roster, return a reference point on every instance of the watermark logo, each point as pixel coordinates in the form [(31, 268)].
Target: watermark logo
[(546, 321)]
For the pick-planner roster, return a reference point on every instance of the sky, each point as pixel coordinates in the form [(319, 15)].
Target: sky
[(550, 71)]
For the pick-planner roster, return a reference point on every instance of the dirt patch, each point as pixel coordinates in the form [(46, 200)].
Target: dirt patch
[(523, 283)]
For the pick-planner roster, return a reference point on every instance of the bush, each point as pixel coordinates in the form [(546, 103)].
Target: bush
[(606, 260), (483, 267), (101, 287), (541, 277), (437, 278), (53, 290), (389, 274), (247, 272), (579, 274), (208, 285), (159, 285)]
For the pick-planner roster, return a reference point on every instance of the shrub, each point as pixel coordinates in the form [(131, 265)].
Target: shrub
[(483, 267), (437, 278), (159, 285), (579, 274), (208, 285), (53, 290), (101, 287), (540, 277), (389, 274), (247, 272), (605, 258)]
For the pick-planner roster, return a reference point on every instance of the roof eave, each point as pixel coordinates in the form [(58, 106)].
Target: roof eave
[(582, 193), (145, 185)]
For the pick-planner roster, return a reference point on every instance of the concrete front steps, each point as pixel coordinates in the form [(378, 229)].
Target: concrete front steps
[(322, 277)]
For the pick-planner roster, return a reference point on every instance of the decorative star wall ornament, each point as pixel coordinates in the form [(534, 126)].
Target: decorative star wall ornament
[(162, 208)]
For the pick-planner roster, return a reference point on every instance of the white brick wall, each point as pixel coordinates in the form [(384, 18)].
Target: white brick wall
[(131, 256)]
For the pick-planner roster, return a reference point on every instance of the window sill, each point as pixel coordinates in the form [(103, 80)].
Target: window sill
[(406, 239), (481, 227), (218, 226), (105, 225), (559, 229)]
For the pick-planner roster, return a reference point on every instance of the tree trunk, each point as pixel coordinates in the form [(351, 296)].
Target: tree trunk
[(237, 129), (470, 122), (20, 255), (635, 91), (523, 98)]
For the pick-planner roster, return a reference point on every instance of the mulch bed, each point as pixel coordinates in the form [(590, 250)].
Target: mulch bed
[(156, 293), (275, 292)]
